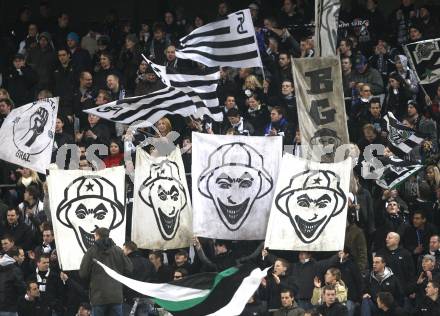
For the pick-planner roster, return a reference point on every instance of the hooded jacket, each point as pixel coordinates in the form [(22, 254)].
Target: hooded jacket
[(388, 283), (103, 289), (12, 285)]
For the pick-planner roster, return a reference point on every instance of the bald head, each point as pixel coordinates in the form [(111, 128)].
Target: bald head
[(392, 240)]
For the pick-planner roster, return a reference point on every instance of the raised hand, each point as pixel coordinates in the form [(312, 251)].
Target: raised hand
[(37, 122)]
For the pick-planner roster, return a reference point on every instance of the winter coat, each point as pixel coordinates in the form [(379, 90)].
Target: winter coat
[(104, 289), (21, 84), (355, 240), (272, 292), (428, 307), (143, 271), (336, 309), (400, 261), (12, 285), (352, 278), (293, 310), (32, 308), (341, 293), (258, 119), (22, 234), (389, 283)]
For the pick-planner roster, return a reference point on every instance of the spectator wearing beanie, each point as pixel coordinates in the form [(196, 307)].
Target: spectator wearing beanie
[(80, 57)]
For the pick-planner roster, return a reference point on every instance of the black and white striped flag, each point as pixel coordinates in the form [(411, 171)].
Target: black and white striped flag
[(147, 109), (401, 139), (228, 42), (395, 171), (199, 84)]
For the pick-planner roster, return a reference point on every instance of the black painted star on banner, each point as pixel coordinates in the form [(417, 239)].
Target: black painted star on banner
[(317, 181), (89, 187)]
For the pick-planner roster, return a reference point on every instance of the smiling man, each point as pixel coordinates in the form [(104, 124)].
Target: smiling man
[(310, 201)]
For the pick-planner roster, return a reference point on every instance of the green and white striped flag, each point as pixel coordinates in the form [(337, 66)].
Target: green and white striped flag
[(203, 294)]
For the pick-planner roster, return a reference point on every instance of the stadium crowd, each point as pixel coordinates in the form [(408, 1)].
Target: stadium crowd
[(390, 264)]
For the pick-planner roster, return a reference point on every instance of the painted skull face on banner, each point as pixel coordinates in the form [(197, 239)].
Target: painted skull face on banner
[(90, 202), (234, 179), (310, 201), (164, 193)]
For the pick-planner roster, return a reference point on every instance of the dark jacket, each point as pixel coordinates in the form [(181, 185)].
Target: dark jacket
[(336, 309), (21, 85), (32, 308), (53, 293), (258, 119), (402, 264), (293, 310), (272, 292), (143, 271), (393, 311), (411, 235), (104, 289), (352, 278), (65, 79), (12, 285), (428, 307), (356, 241), (220, 262), (389, 283), (43, 61), (254, 309), (22, 234)]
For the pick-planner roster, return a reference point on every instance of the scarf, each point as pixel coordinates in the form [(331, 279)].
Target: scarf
[(42, 282), (26, 181)]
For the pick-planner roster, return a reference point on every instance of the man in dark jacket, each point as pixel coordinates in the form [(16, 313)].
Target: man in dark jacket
[(430, 305), (12, 285), (163, 272), (16, 228), (235, 121), (223, 259), (331, 307), (289, 306), (387, 306), (30, 303), (381, 279), (20, 81), (65, 79), (49, 284), (143, 270), (105, 293), (400, 261)]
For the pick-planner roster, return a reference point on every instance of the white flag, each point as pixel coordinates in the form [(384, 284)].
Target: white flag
[(228, 42), (80, 202), (233, 179), (309, 209), (161, 202), (27, 134), (326, 28)]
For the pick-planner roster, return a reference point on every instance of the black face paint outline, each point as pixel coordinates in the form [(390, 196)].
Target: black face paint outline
[(233, 217), (86, 239), (168, 225), (306, 228)]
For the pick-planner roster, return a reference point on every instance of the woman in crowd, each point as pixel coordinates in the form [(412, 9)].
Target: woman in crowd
[(116, 154), (331, 277), (397, 96), (257, 114)]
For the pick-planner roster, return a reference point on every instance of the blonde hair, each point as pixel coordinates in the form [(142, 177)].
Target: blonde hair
[(6, 93), (255, 83), (436, 172), (34, 176), (167, 125)]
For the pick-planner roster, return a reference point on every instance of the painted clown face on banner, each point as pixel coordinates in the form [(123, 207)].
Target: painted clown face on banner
[(310, 201), (164, 193), (90, 202), (234, 179)]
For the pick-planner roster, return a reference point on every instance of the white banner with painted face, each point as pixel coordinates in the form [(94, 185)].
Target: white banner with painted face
[(233, 179), (82, 201), (309, 208), (162, 217), (27, 134)]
